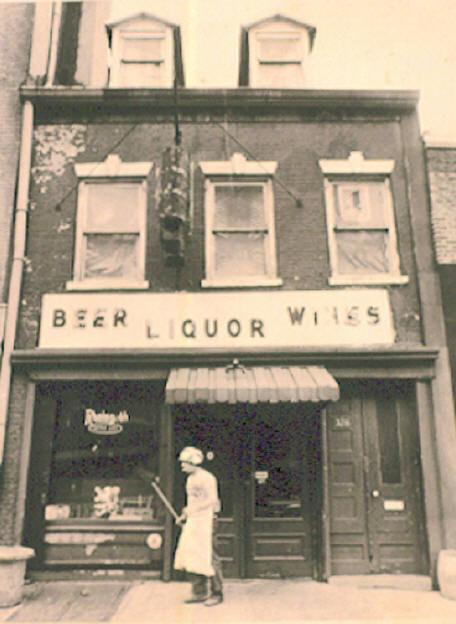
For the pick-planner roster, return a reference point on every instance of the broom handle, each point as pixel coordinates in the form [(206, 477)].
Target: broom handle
[(164, 500)]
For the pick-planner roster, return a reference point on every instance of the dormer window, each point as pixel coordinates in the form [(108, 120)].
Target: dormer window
[(277, 51), (145, 52)]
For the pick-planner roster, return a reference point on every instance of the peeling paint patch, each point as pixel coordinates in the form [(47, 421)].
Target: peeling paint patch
[(56, 146)]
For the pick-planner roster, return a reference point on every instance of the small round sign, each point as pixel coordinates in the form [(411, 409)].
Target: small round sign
[(154, 541)]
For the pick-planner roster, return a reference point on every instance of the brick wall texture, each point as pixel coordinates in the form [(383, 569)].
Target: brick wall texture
[(301, 233), (15, 34), (442, 181)]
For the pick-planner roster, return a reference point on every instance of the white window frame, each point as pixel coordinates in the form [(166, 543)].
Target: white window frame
[(356, 173), (111, 171), (239, 172), (148, 29), (279, 31)]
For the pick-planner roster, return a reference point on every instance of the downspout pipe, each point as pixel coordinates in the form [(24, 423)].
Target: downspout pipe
[(17, 266)]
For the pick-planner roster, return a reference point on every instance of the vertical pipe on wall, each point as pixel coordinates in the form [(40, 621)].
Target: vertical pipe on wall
[(14, 293)]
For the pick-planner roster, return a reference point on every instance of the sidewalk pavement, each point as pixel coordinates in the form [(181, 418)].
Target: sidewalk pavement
[(246, 602)]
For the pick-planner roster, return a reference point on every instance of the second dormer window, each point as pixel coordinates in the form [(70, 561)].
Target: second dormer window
[(277, 53), (142, 53), (279, 59)]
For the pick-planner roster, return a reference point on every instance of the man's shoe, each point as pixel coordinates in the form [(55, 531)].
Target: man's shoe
[(195, 599), (213, 601)]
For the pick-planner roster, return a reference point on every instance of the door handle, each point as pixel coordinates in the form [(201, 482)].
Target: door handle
[(375, 494)]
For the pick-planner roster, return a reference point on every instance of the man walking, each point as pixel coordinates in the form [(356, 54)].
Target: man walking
[(195, 551)]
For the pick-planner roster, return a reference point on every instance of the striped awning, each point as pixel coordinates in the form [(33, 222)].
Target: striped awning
[(258, 384)]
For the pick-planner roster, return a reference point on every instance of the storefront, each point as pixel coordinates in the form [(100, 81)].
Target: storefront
[(319, 450)]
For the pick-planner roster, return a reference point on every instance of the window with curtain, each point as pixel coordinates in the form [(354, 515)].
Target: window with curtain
[(111, 225), (360, 216), (239, 223), (240, 239), (362, 234), (111, 234)]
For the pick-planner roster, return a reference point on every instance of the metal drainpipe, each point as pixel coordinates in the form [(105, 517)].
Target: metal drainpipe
[(17, 267)]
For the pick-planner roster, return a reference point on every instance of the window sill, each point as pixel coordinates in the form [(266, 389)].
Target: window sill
[(242, 283), (373, 280), (107, 285)]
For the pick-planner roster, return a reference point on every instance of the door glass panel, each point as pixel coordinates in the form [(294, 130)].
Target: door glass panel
[(388, 439), (277, 468)]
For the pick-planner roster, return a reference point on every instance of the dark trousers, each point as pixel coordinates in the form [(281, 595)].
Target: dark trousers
[(202, 585)]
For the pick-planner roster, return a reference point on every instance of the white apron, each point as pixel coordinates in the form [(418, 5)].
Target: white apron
[(194, 550)]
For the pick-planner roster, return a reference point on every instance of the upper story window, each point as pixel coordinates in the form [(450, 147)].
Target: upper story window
[(277, 51), (111, 225), (360, 219), (145, 52), (240, 234)]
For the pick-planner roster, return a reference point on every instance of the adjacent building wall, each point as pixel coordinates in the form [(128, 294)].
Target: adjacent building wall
[(15, 33), (441, 164)]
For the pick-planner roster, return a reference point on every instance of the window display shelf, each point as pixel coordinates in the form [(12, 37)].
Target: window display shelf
[(101, 524)]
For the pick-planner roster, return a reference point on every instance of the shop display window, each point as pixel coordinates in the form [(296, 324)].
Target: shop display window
[(104, 454)]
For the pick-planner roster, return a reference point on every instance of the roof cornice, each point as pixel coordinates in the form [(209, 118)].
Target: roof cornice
[(368, 357), (72, 98)]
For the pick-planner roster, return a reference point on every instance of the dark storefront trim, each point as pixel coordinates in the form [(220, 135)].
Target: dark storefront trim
[(412, 363)]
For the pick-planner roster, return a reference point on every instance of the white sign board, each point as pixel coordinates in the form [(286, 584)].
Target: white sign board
[(229, 320)]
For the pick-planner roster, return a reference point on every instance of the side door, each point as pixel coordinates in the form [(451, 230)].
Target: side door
[(374, 485), (393, 481)]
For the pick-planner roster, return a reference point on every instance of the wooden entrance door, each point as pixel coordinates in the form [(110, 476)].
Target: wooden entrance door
[(376, 514), (282, 492), (267, 465)]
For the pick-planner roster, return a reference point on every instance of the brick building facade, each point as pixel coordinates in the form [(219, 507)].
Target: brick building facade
[(235, 269)]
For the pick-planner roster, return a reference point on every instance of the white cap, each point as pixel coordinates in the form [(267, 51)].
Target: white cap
[(191, 455)]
